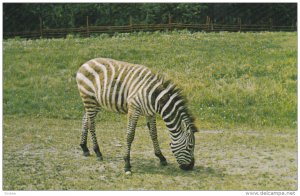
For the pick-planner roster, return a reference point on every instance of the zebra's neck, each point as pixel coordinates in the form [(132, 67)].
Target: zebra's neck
[(172, 107)]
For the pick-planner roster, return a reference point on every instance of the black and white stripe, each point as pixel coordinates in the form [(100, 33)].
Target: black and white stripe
[(135, 90)]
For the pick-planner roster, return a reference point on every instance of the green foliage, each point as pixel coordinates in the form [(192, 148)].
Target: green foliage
[(230, 79), (26, 16)]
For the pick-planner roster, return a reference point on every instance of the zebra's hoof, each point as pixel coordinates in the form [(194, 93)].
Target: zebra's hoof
[(163, 163), (128, 173), (86, 154), (99, 158)]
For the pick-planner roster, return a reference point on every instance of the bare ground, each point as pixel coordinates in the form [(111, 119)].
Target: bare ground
[(43, 154)]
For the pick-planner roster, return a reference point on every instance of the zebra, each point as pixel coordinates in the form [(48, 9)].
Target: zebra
[(135, 90)]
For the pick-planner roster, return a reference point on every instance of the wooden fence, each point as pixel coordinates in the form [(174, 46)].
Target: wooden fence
[(91, 30)]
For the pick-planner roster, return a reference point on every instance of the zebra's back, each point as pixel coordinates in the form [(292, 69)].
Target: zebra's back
[(110, 84)]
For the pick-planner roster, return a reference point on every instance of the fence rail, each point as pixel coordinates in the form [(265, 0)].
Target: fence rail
[(88, 30)]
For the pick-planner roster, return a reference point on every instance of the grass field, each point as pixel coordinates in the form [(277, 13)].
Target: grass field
[(241, 87)]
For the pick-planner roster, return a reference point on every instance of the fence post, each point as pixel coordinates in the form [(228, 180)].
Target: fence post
[(207, 22), (41, 27), (271, 24), (170, 22), (240, 23), (87, 27), (211, 24), (130, 23)]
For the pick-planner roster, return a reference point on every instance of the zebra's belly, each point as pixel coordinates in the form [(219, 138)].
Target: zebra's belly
[(120, 105), (112, 102)]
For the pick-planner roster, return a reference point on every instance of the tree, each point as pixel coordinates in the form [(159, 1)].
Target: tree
[(26, 16)]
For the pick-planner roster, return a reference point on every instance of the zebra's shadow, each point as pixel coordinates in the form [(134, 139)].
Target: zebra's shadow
[(143, 166)]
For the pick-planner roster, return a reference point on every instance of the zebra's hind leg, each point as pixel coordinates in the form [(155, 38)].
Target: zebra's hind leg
[(151, 123), (85, 130), (91, 119)]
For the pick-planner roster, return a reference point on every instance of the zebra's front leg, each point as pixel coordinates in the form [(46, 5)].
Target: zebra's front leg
[(83, 142), (151, 123), (133, 116)]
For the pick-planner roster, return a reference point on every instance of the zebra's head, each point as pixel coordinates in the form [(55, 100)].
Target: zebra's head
[(183, 146)]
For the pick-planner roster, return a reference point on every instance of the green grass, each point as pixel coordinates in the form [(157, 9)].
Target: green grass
[(241, 88), (230, 79)]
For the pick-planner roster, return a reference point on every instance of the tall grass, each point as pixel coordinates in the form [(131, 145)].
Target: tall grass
[(229, 79)]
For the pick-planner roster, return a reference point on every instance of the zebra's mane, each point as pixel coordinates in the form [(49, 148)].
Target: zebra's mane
[(176, 90)]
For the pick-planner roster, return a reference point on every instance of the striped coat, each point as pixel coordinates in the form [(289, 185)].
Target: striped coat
[(135, 90)]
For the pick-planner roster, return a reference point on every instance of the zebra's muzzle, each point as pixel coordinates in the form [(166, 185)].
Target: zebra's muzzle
[(188, 166)]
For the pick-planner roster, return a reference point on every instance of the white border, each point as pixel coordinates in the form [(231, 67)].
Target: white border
[(131, 193)]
